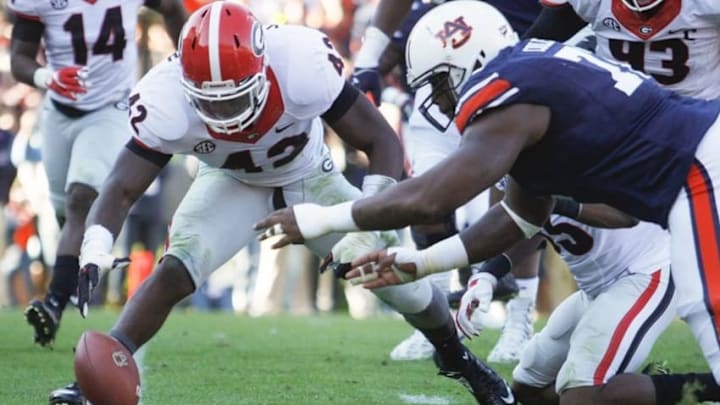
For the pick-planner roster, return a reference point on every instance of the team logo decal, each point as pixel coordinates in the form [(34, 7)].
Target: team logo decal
[(327, 165), (258, 40), (204, 147), (457, 31), (58, 4), (120, 359), (646, 30), (612, 24)]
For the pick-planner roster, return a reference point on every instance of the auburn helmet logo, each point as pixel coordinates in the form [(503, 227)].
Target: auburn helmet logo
[(457, 32)]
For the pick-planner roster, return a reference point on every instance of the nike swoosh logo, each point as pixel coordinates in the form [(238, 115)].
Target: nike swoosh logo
[(280, 129), (680, 30), (508, 398)]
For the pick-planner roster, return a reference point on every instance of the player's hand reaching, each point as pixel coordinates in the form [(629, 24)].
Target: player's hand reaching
[(354, 245), (95, 256), (280, 223), (397, 265), (475, 303), (368, 81), (69, 82)]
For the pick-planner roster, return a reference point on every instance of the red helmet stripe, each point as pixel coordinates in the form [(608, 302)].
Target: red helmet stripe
[(213, 41)]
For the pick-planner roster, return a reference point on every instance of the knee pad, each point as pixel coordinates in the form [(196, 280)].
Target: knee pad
[(408, 298)]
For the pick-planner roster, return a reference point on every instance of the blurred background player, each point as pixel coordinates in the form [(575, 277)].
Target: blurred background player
[(676, 42), (91, 56), (254, 121), (425, 146)]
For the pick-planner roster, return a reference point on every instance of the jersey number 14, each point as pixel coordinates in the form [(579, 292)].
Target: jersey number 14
[(110, 40)]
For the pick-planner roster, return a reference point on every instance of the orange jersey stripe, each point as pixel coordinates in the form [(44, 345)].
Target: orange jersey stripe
[(705, 224), (621, 330), (479, 100)]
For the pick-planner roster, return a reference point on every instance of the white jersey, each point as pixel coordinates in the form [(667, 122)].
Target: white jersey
[(285, 142), (96, 34), (679, 46), (598, 257)]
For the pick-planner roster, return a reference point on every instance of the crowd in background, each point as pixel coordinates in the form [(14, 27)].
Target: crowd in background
[(258, 281)]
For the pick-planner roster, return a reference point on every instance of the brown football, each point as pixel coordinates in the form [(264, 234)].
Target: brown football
[(106, 371)]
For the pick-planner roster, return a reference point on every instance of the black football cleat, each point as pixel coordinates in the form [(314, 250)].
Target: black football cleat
[(484, 383), (45, 320), (67, 395)]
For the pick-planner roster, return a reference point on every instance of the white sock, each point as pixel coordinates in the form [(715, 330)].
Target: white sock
[(528, 287)]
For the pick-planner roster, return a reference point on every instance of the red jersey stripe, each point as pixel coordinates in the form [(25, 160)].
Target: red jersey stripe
[(621, 330), (479, 100), (700, 191)]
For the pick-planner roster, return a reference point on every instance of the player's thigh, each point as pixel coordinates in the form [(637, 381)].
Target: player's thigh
[(545, 353), (214, 221), (57, 135), (323, 186), (618, 329), (695, 238), (102, 135)]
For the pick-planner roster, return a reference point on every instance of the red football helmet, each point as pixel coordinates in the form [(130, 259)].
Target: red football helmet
[(641, 6), (222, 54)]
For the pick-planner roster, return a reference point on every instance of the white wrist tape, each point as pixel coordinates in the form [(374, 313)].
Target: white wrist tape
[(445, 255), (374, 43), (97, 239), (314, 220), (41, 77), (375, 183), (528, 229)]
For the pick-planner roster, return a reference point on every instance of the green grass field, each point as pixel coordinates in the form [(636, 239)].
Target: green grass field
[(227, 359)]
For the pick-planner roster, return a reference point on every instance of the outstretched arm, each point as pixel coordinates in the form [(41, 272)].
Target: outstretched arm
[(489, 149)]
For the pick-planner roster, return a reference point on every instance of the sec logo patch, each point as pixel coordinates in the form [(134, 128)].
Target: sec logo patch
[(204, 147)]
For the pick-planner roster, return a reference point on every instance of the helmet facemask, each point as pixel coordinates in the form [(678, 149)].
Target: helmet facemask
[(642, 6), (226, 107), (445, 81)]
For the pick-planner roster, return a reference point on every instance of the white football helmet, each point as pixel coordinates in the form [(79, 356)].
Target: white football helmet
[(448, 43), (642, 6)]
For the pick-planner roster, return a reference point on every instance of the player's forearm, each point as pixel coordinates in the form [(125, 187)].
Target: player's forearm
[(23, 69), (390, 14), (386, 158), (399, 206), (490, 236), (605, 216), (556, 23)]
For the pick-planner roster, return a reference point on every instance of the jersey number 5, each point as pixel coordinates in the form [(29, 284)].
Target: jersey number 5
[(111, 38)]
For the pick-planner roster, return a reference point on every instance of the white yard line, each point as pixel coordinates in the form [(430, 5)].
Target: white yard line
[(422, 399)]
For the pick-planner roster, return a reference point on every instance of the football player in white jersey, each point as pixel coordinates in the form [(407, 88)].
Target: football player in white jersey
[(676, 42), (625, 301), (249, 102), (91, 56)]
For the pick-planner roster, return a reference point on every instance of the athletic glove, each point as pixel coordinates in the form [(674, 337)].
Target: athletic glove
[(475, 303), (95, 256), (69, 82), (354, 245)]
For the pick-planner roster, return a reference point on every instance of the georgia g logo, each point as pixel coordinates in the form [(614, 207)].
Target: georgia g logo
[(257, 38), (457, 31)]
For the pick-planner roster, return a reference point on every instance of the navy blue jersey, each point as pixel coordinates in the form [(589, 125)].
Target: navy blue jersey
[(614, 136)]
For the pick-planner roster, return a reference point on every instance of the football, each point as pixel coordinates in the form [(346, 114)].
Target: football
[(106, 371)]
